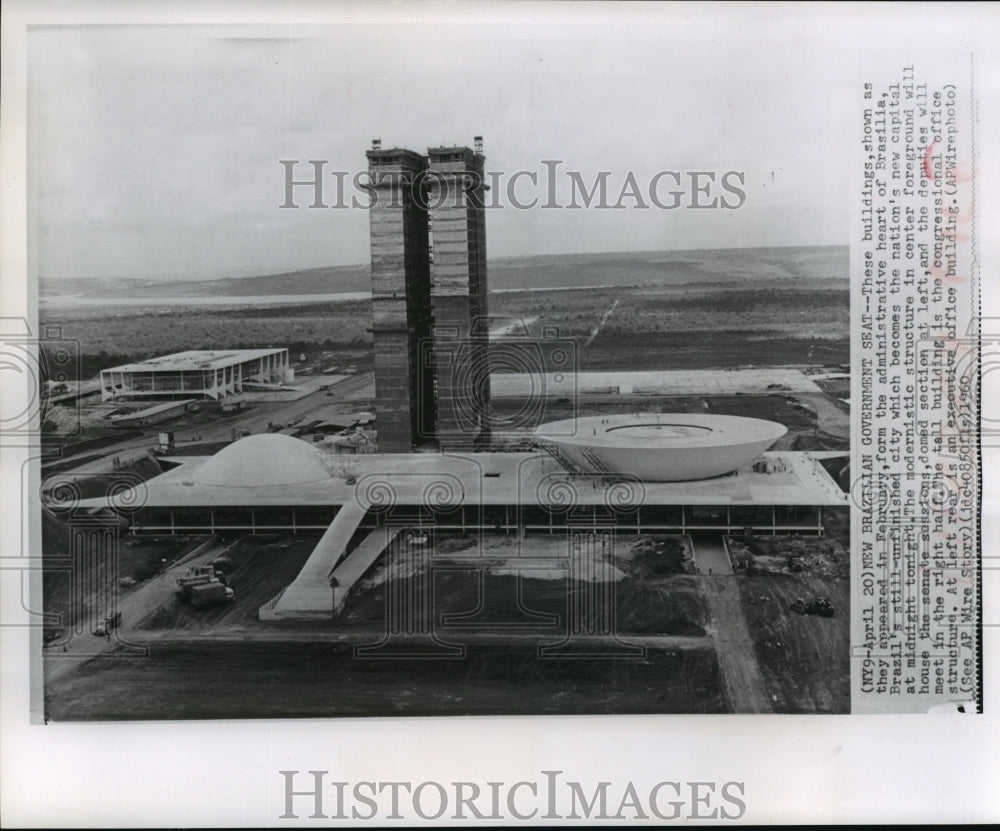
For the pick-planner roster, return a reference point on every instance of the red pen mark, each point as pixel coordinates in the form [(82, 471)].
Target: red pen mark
[(958, 236), (928, 166), (962, 174), (964, 219), (943, 275)]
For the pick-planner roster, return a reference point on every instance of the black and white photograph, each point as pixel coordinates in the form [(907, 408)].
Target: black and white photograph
[(448, 367), (376, 415)]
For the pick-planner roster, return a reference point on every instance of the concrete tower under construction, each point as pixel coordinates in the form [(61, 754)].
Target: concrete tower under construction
[(401, 298), (429, 298), (459, 296)]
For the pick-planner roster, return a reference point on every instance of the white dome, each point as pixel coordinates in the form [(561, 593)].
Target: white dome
[(263, 460)]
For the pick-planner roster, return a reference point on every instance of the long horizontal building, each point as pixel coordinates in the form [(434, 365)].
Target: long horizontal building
[(276, 484), (197, 374)]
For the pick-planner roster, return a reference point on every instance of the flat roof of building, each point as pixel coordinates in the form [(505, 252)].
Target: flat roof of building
[(474, 478), (661, 382), (533, 385), (196, 359)]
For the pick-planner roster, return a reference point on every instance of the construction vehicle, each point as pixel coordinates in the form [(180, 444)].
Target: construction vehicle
[(206, 594), (222, 565), (205, 583), (813, 606), (196, 575)]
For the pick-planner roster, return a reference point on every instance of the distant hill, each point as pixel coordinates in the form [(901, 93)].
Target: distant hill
[(670, 267), (511, 273), (307, 281)]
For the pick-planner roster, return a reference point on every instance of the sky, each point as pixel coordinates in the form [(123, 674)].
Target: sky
[(154, 152)]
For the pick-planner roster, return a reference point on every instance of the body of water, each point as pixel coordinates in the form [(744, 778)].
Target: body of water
[(205, 300), (244, 300)]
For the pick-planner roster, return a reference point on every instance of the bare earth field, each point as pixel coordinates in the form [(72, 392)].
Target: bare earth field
[(223, 663), (683, 309), (207, 666), (274, 680), (262, 566), (138, 558), (788, 644)]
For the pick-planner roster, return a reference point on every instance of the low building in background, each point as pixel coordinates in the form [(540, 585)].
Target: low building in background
[(214, 374)]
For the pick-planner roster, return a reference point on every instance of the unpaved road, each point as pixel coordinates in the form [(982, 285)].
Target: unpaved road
[(61, 658), (604, 319), (745, 687)]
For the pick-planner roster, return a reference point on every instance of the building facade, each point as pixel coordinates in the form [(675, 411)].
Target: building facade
[(401, 299), (197, 374), (459, 297), (276, 484)]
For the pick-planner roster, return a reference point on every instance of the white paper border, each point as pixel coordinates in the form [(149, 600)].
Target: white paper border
[(796, 769)]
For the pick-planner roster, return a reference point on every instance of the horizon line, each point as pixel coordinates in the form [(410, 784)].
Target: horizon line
[(367, 264)]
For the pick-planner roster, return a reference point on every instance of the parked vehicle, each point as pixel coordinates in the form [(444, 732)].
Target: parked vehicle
[(208, 594), (206, 584), (195, 576)]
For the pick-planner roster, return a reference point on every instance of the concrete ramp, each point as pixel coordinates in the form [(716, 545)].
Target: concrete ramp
[(710, 554), (358, 562), (310, 594)]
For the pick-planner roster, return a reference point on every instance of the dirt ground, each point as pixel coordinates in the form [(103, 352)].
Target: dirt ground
[(73, 596), (203, 662), (502, 583), (824, 557), (805, 658), (252, 680), (745, 687), (207, 662), (262, 567)]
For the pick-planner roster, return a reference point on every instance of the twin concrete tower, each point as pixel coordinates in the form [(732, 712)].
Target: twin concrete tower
[(429, 298)]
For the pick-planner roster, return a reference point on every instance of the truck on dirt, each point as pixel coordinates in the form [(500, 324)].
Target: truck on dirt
[(204, 583), (209, 594), (813, 606), (195, 576), (222, 565)]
